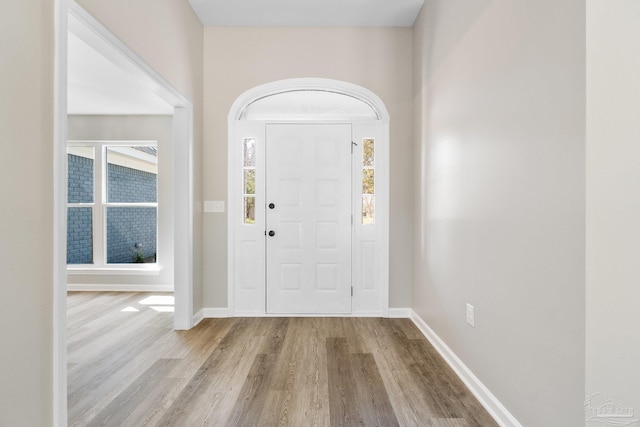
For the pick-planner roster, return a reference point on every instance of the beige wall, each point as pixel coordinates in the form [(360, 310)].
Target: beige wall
[(26, 229), (613, 201), (238, 59), (156, 128), (169, 37), (500, 217)]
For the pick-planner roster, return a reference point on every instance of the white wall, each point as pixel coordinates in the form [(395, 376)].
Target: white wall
[(157, 128), (238, 59), (499, 216), (169, 37), (613, 201), (26, 209)]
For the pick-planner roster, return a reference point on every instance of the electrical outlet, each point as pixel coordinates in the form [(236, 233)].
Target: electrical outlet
[(471, 315)]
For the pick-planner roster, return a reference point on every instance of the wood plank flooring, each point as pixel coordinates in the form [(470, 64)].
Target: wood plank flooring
[(127, 367)]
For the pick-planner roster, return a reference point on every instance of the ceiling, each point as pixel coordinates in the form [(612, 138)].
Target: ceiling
[(308, 13), (97, 85)]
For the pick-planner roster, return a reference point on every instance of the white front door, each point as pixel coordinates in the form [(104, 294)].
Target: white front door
[(308, 218)]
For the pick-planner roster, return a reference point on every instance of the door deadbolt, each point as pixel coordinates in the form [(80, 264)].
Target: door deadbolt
[(271, 206), (272, 233)]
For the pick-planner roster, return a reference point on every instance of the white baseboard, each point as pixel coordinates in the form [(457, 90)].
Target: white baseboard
[(399, 313), (496, 409), (210, 312), (248, 314), (365, 314), (119, 288), (198, 317), (263, 314), (215, 312)]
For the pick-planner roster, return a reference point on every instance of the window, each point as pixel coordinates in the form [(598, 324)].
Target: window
[(249, 181), (309, 104), (112, 204), (368, 182)]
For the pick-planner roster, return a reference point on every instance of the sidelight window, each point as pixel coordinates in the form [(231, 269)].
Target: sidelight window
[(368, 182), (249, 181)]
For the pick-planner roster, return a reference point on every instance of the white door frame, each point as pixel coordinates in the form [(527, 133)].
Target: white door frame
[(371, 242), (111, 47)]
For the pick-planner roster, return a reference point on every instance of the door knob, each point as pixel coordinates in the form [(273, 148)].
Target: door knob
[(272, 233), (271, 206)]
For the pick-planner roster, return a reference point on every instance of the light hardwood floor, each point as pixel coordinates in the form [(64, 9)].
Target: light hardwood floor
[(127, 367)]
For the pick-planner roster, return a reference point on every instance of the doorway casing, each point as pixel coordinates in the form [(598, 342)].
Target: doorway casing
[(96, 35), (246, 242)]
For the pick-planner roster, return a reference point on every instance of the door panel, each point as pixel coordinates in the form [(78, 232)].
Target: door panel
[(308, 181)]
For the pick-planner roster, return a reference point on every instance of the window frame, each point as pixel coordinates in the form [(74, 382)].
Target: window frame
[(99, 208)]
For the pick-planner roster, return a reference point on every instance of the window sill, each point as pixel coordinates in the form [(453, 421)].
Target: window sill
[(114, 271)]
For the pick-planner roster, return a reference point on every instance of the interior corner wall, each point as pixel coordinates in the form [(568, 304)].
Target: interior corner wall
[(156, 128), (169, 37), (499, 103), (27, 228), (613, 203), (237, 59)]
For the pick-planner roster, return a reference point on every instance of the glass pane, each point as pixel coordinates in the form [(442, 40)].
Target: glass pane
[(249, 181), (368, 181), (131, 235), (249, 152), (309, 104), (368, 209), (80, 174), (132, 175), (249, 210), (368, 152), (79, 236)]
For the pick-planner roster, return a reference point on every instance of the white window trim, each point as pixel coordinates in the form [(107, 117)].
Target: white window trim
[(99, 207), (116, 270)]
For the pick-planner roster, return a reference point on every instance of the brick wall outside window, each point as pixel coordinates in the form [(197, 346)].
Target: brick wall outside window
[(79, 220), (126, 226)]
